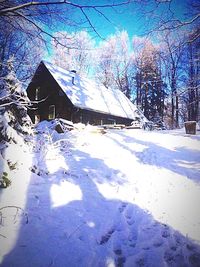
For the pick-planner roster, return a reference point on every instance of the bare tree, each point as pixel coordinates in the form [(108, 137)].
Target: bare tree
[(163, 16), (190, 93), (79, 56), (28, 25), (41, 13), (172, 54), (26, 50), (114, 62)]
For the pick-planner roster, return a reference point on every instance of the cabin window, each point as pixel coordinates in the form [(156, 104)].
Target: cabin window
[(81, 118), (52, 112), (37, 118), (37, 93), (111, 121)]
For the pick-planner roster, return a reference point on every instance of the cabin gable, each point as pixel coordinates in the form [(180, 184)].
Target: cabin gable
[(45, 90)]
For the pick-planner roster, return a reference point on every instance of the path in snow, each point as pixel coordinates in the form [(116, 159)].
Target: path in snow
[(126, 198)]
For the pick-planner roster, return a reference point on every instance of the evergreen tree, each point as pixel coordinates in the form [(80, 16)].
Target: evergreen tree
[(193, 81), (151, 90), (13, 105)]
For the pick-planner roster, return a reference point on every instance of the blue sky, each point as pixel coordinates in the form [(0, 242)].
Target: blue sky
[(132, 18)]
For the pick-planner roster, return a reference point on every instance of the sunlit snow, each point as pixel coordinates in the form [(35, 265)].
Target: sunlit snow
[(63, 193), (128, 196)]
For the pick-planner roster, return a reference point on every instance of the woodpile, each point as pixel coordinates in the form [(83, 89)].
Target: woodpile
[(113, 126)]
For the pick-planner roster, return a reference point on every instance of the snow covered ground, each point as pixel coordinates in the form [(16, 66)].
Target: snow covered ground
[(124, 198)]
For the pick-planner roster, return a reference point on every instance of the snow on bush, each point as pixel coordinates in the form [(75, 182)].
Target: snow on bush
[(15, 124), (13, 107)]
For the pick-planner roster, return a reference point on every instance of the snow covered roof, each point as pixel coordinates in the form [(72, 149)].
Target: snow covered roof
[(86, 94)]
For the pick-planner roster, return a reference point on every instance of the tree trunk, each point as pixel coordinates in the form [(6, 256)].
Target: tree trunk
[(172, 115), (173, 101), (177, 111)]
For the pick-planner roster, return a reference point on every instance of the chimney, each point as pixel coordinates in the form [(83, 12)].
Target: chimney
[(73, 76)]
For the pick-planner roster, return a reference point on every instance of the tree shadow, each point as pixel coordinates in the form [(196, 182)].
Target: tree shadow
[(191, 136), (87, 229), (178, 161)]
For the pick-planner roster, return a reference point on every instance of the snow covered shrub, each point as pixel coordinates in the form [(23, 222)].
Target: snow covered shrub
[(13, 106), (4, 180), (149, 126), (12, 165), (3, 124)]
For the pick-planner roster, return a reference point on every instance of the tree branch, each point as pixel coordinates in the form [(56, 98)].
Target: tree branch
[(6, 10), (91, 25)]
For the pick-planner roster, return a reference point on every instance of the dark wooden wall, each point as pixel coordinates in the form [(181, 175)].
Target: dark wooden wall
[(50, 94), (96, 118)]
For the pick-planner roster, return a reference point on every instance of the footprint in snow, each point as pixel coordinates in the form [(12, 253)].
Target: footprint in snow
[(194, 259), (104, 239), (119, 257), (158, 242), (130, 221), (174, 259), (166, 234), (120, 261), (122, 207), (129, 215)]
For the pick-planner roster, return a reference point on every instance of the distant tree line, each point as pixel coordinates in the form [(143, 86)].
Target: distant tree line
[(161, 78)]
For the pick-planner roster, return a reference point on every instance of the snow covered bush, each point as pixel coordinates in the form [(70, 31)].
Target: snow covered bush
[(4, 180), (13, 107), (15, 124)]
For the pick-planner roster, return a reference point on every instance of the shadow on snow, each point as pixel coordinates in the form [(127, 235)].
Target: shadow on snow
[(94, 231), (178, 161)]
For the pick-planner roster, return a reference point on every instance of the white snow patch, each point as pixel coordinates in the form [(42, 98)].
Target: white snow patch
[(64, 193), (14, 198)]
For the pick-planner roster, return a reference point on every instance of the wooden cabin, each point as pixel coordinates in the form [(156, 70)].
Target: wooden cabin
[(58, 93)]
